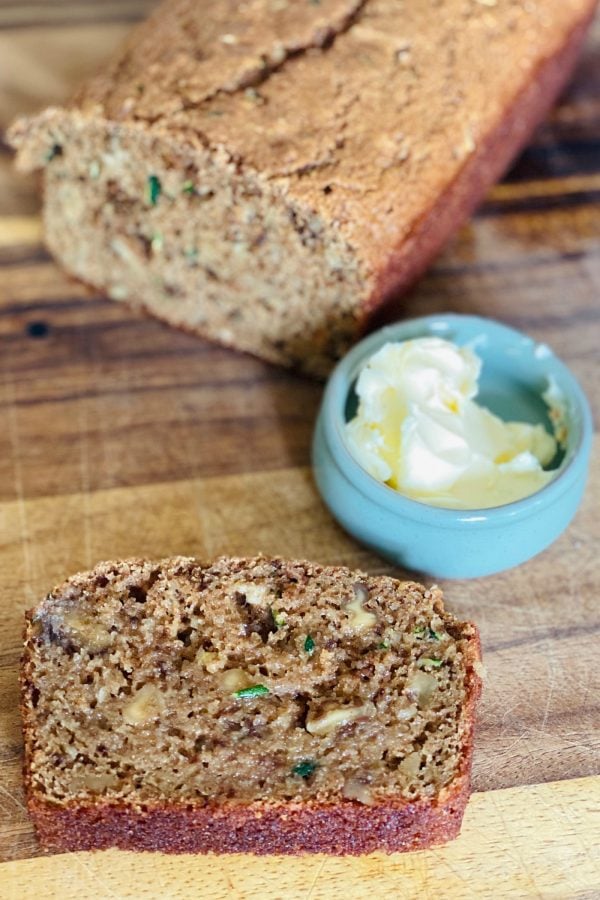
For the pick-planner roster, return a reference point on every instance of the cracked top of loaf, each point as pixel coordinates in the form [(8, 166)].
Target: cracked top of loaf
[(348, 94), (336, 101)]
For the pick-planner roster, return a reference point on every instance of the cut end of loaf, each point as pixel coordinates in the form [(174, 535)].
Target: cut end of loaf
[(185, 232), (268, 179), (249, 689)]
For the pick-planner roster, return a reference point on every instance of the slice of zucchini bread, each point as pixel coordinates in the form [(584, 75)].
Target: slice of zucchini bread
[(252, 705), (268, 173)]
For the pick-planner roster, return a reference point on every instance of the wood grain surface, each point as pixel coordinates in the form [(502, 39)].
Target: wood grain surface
[(119, 436)]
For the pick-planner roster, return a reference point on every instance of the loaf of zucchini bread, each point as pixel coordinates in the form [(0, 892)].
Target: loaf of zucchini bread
[(266, 174), (256, 705)]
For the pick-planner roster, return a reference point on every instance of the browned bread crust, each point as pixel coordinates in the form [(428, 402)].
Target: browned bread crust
[(308, 160), (266, 824), (347, 829), (483, 168)]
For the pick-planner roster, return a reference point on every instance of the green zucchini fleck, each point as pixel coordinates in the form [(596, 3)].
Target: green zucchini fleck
[(254, 690), (188, 187), (421, 632), (278, 618), (309, 645), (153, 189), (305, 768), (156, 242), (54, 151), (430, 661)]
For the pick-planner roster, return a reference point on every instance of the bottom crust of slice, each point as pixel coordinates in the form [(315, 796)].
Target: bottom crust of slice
[(348, 828)]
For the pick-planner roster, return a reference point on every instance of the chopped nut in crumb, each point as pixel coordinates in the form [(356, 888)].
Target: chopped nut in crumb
[(359, 617), (330, 716), (146, 704)]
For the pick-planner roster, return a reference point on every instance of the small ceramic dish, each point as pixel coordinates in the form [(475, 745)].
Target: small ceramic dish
[(457, 543)]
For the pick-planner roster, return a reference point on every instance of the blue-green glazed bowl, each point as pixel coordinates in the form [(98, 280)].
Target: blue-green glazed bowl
[(443, 542)]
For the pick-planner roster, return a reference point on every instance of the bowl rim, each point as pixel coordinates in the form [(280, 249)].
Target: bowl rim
[(333, 419)]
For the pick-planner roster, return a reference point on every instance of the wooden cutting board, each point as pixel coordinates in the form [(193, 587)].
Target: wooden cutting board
[(121, 437)]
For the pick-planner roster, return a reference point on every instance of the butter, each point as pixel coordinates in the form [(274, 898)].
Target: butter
[(419, 430)]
